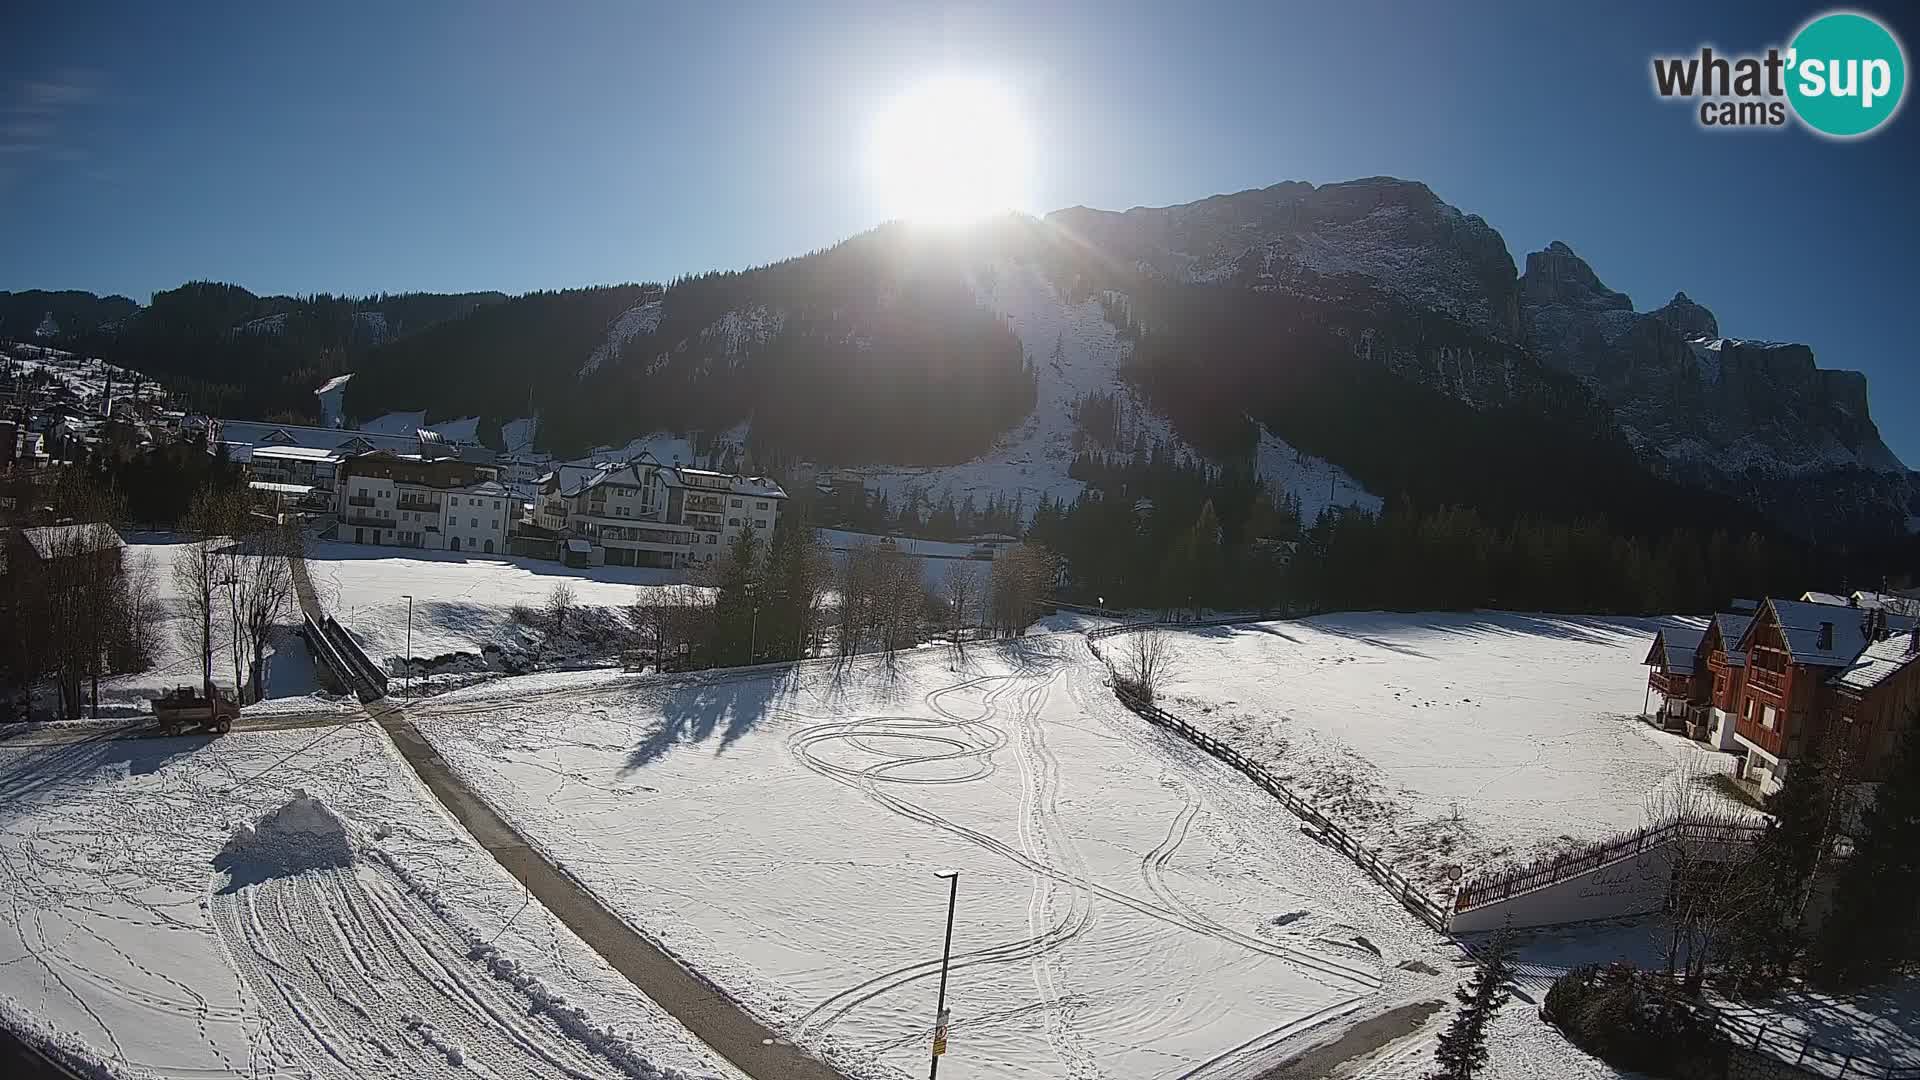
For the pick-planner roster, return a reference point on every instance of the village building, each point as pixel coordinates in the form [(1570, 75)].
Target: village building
[(1805, 678), (433, 500), (643, 513)]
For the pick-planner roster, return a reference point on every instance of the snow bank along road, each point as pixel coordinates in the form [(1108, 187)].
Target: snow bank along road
[(1128, 907), (288, 903)]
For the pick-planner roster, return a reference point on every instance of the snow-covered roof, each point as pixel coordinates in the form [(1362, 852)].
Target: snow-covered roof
[(295, 453), (1802, 623), (761, 487), (579, 547), (1674, 647), (280, 489), (1812, 596), (55, 540), (1877, 662), (338, 382), (1733, 626)]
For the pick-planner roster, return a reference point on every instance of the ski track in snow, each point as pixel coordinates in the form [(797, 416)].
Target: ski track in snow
[(358, 977)]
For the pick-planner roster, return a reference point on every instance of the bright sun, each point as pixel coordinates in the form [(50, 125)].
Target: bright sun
[(950, 150)]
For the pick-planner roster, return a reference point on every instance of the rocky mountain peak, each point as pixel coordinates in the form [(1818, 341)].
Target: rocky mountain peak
[(1687, 318), (1555, 275)]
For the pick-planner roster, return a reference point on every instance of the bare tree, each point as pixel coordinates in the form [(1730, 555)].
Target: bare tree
[(670, 618), (197, 578), (899, 599), (560, 603), (1021, 579), (858, 583), (260, 584), (961, 601), (1714, 875), (1143, 665)]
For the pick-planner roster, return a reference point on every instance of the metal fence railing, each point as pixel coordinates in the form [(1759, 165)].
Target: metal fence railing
[(1553, 869)]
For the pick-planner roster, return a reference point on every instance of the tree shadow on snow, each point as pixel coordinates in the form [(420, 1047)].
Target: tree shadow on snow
[(47, 768), (698, 709)]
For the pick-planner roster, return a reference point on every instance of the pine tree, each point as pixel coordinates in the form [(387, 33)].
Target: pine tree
[(1874, 928), (1462, 1048)]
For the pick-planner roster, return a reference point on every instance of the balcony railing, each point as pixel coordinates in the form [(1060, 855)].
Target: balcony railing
[(1772, 682), (422, 507), (1670, 684), (367, 519), (706, 504), (359, 500)]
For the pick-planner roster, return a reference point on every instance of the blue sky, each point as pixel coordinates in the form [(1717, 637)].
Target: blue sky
[(358, 149)]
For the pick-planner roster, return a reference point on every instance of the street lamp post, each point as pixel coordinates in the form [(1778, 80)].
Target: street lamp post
[(946, 960), (407, 691)]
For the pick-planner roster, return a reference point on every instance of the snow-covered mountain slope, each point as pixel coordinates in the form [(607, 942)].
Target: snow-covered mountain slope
[(1316, 482), (641, 318), (1395, 234), (86, 376)]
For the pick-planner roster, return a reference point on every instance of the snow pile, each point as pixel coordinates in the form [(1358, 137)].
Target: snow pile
[(304, 834), (65, 1049)]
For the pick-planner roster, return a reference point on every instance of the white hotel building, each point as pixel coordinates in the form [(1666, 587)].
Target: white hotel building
[(643, 513)]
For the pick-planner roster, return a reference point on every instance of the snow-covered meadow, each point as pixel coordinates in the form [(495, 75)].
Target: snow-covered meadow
[(461, 604), (1447, 739), (175, 908), (1127, 907)]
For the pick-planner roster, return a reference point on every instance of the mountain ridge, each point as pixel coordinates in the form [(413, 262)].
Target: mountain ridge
[(1393, 275)]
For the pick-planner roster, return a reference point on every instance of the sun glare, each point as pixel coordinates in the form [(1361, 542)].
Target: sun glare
[(950, 150)]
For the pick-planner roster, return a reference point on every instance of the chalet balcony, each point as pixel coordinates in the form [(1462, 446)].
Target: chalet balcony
[(1773, 683), (1670, 684), (705, 504), (420, 507), (359, 500), (366, 519)]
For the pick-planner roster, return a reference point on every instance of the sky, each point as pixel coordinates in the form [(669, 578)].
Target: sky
[(358, 149)]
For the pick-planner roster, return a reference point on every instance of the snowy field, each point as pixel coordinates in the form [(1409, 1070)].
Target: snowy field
[(1127, 907), (461, 604), (146, 932), (1449, 740), (290, 680)]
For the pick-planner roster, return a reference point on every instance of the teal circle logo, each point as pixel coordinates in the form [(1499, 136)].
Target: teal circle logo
[(1846, 74)]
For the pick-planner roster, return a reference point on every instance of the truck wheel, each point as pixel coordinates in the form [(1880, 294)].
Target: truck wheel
[(223, 725)]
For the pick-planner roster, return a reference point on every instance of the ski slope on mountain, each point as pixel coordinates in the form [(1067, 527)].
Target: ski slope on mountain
[(290, 903), (1127, 907)]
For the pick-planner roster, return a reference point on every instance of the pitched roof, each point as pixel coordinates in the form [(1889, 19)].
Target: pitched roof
[(57, 540), (1801, 623), (1732, 626), (1831, 599), (1877, 662), (1674, 647), (335, 383)]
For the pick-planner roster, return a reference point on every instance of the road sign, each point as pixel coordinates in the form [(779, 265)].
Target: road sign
[(940, 1034)]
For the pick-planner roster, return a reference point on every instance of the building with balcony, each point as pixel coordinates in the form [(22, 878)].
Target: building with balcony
[(643, 513), (425, 500), (1813, 672)]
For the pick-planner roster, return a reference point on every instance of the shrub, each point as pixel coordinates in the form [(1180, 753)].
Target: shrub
[(1630, 1020)]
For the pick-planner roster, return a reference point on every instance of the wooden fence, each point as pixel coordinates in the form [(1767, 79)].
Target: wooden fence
[(1328, 832)]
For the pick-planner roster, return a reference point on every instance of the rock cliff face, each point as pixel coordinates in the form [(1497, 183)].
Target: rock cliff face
[(1759, 420), (1394, 235), (1751, 418)]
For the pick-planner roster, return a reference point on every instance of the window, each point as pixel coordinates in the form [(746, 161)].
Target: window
[(1768, 718), (473, 523), (494, 524), (1748, 713), (733, 522), (736, 502), (761, 505), (760, 523), (496, 504)]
